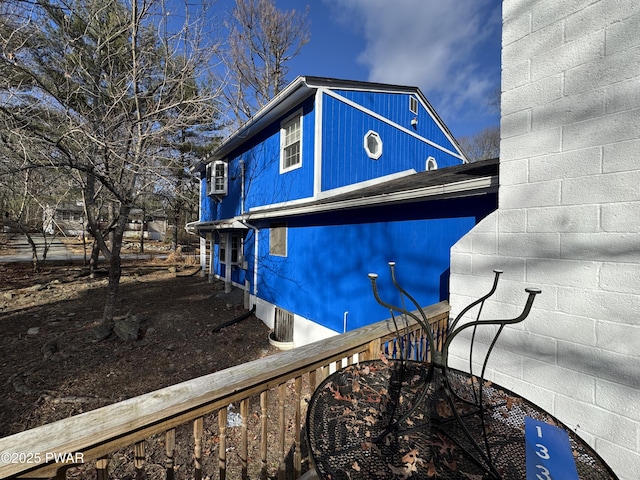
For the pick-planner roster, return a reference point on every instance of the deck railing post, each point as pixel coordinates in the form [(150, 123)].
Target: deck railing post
[(373, 350), (297, 456), (139, 458), (197, 449), (282, 393), (222, 452), (244, 448), (263, 433), (102, 468), (169, 450)]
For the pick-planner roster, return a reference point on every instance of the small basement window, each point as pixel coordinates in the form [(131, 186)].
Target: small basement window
[(373, 144)]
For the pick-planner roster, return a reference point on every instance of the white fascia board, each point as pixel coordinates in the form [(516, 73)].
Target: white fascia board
[(397, 126), (294, 93), (336, 191), (317, 143), (235, 223), (465, 188)]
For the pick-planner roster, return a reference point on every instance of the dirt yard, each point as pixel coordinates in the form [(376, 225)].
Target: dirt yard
[(53, 365)]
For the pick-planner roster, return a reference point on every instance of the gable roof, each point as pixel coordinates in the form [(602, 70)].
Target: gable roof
[(293, 94)]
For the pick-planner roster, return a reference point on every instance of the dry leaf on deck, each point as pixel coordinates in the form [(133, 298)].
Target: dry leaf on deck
[(410, 457)]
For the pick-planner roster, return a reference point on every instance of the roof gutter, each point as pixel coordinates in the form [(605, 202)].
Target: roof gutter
[(461, 189)]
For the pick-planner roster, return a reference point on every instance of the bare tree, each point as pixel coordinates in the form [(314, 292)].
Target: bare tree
[(262, 40), (482, 145), (98, 88)]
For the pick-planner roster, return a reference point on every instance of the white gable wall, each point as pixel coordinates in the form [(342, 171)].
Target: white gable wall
[(568, 220)]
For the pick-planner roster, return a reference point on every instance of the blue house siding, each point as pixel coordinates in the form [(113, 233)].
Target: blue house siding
[(263, 182), (334, 241), (344, 159), (329, 256), (395, 108)]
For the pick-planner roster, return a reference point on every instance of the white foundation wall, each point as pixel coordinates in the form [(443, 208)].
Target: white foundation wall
[(568, 220), (304, 331)]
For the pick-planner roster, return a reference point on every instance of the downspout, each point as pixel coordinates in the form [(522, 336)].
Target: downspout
[(227, 263), (256, 243), (242, 187)]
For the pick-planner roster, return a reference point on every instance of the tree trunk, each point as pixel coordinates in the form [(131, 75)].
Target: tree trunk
[(174, 234), (95, 257), (115, 266), (113, 288)]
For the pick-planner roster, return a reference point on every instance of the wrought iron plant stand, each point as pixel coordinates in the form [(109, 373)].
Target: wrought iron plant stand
[(375, 419)]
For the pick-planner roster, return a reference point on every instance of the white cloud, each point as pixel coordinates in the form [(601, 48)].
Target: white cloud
[(436, 45)]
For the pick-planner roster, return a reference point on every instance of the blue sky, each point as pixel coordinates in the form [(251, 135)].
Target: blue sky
[(450, 50)]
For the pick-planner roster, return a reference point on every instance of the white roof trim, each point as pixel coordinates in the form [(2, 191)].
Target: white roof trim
[(336, 191), (473, 187)]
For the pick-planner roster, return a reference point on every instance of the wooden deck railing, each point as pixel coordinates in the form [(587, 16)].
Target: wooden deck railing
[(188, 429)]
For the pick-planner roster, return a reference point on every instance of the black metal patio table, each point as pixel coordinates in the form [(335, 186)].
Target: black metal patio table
[(349, 437), (395, 418)]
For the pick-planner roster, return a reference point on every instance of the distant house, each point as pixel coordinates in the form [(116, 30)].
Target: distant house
[(328, 182), (67, 218), (154, 225)]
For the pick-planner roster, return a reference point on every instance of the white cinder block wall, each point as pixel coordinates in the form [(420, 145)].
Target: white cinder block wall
[(568, 220)]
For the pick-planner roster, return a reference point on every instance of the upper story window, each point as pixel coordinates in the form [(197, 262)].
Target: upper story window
[(291, 143), (217, 178), (413, 105), (432, 164), (373, 144)]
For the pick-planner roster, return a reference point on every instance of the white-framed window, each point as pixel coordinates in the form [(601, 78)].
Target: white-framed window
[(217, 177), (373, 144), (291, 143), (413, 104), (278, 239), (235, 243), (431, 164)]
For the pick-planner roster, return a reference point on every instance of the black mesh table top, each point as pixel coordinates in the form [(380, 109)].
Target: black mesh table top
[(354, 433)]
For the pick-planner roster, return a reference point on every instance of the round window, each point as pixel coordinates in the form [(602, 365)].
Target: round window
[(373, 145)]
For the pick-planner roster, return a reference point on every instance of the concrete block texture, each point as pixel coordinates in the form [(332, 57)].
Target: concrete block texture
[(622, 156), (598, 16), (577, 219), (568, 219), (616, 217), (550, 12), (567, 55), (601, 72), (532, 145), (529, 95), (577, 163), (619, 187)]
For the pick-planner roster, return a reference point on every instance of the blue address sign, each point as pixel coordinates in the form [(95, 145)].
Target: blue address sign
[(548, 452)]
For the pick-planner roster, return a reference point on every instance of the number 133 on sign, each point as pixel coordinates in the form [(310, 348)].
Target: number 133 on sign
[(548, 450)]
